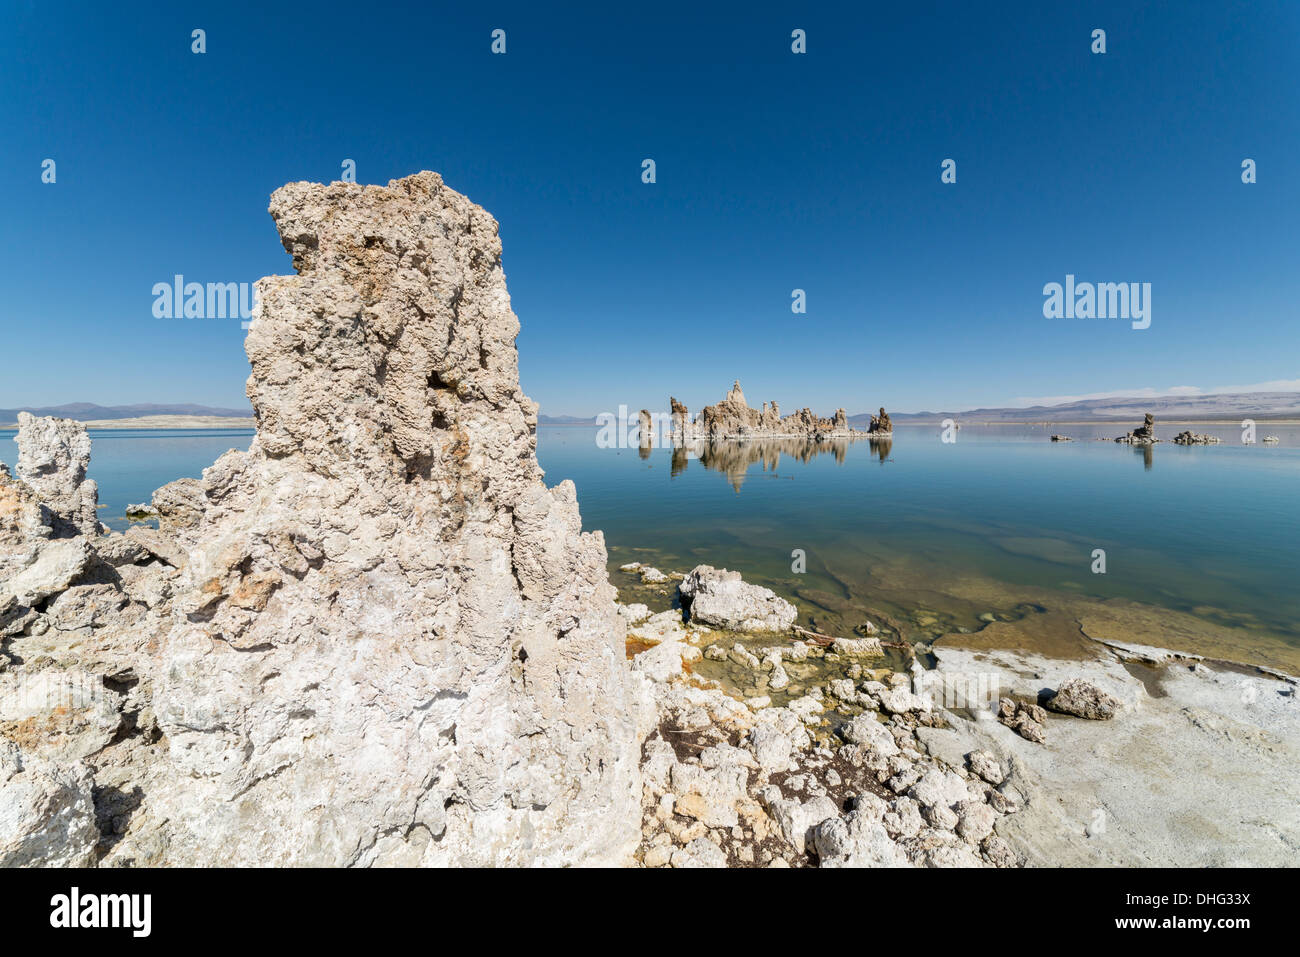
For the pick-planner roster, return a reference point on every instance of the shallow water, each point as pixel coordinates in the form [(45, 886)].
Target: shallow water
[(923, 537), (929, 536)]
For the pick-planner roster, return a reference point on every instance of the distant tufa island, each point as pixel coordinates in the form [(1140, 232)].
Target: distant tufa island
[(733, 418)]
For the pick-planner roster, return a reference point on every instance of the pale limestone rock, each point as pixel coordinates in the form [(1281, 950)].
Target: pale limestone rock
[(986, 766), (663, 662), (857, 840), (858, 647), (732, 418), (975, 820), (47, 814), (53, 455), (634, 613), (56, 565), (797, 820), (721, 598), (1083, 700), (374, 637)]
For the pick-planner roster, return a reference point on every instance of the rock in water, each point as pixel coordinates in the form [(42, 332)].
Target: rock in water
[(732, 418), (1188, 437), (376, 636), (719, 597), (1144, 434)]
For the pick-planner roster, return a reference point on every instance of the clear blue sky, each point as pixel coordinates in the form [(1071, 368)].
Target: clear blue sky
[(775, 171)]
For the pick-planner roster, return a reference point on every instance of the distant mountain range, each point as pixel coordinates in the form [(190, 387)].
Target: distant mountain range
[(1202, 408), (89, 410)]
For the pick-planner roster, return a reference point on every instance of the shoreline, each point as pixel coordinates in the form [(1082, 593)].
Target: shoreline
[(177, 422), (775, 750), (219, 422)]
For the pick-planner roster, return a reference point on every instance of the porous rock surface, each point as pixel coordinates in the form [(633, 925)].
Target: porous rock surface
[(716, 596), (374, 637)]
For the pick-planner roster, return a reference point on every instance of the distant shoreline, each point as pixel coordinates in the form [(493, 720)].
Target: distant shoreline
[(164, 422), (224, 422), (1117, 423), (1223, 423)]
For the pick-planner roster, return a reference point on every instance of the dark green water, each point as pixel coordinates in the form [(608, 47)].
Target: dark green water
[(919, 530)]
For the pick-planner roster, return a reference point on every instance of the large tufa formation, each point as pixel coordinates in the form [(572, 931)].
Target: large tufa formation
[(376, 637), (732, 418), (880, 425)]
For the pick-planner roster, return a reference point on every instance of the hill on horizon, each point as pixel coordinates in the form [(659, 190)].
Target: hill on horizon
[(90, 410), (1226, 406)]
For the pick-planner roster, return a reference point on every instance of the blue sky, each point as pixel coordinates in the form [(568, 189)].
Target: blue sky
[(775, 171)]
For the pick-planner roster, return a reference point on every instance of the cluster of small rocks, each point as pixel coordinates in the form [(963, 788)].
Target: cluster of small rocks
[(1188, 437), (836, 777), (649, 574), (1075, 697), (1027, 720)]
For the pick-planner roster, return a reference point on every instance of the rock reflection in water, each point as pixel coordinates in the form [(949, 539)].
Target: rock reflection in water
[(733, 458)]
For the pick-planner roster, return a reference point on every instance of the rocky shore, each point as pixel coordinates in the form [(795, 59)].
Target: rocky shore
[(958, 765)]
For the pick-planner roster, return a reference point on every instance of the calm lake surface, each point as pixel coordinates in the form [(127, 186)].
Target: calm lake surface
[(1200, 543)]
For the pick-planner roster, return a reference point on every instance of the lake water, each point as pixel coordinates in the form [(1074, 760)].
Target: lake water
[(926, 537)]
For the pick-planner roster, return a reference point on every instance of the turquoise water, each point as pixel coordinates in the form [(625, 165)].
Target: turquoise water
[(1206, 531)]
